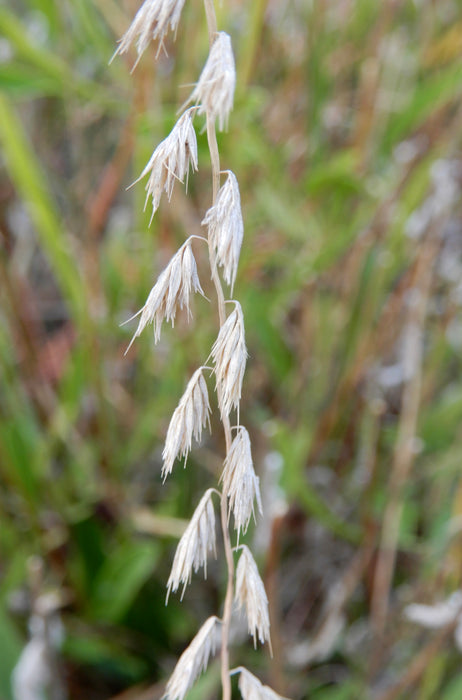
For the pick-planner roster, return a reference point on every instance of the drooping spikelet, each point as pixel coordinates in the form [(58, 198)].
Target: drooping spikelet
[(171, 160), (172, 290), (251, 595), (189, 417), (240, 483), (197, 540), (151, 21), (214, 91), (253, 689), (229, 355), (226, 227), (193, 660)]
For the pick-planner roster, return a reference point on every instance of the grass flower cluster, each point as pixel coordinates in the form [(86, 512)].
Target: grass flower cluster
[(240, 491)]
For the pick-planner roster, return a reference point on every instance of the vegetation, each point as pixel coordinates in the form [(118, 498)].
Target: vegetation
[(345, 138)]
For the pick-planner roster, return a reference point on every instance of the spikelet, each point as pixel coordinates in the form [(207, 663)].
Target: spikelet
[(193, 661), (251, 595), (172, 290), (214, 91), (226, 227), (151, 21), (229, 355), (197, 540), (189, 417), (240, 483), (252, 689), (171, 160)]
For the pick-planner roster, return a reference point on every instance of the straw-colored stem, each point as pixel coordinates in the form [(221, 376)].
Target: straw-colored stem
[(227, 608)]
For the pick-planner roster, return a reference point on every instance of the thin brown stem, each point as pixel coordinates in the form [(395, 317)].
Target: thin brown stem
[(211, 20), (228, 604), (404, 450)]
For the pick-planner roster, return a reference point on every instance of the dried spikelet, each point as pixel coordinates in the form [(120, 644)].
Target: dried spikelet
[(251, 595), (193, 661), (214, 92), (252, 689), (197, 540), (240, 483), (172, 290), (189, 417), (171, 160), (229, 355), (226, 227), (151, 21)]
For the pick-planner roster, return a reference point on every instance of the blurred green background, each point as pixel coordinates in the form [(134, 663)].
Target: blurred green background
[(346, 141)]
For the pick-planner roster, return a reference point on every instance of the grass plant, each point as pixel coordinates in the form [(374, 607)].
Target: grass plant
[(345, 140)]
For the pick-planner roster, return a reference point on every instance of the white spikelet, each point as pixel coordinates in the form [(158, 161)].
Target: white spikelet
[(214, 92), (151, 22), (251, 595), (229, 355), (253, 689), (240, 483), (197, 540), (171, 160), (226, 227), (193, 661), (172, 290), (189, 417), (438, 615)]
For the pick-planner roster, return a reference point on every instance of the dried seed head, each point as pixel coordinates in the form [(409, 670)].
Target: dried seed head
[(172, 290), (252, 689), (438, 615), (193, 661), (214, 92), (226, 227), (240, 483), (151, 21), (171, 160), (229, 355), (251, 595), (197, 540), (189, 417)]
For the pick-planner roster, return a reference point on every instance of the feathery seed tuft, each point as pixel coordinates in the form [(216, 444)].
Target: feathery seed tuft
[(251, 595), (193, 661), (229, 354), (226, 227), (189, 417), (151, 21), (172, 290), (253, 689), (214, 91), (171, 160), (240, 483), (197, 540)]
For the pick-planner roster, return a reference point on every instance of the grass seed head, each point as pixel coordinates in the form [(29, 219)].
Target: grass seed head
[(214, 91), (226, 227)]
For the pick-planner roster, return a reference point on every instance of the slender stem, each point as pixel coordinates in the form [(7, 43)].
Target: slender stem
[(228, 604), (211, 20)]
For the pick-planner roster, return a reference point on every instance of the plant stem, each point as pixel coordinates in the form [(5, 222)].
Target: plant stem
[(228, 604)]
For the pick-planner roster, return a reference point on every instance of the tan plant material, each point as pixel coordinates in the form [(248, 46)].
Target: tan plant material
[(229, 354), (172, 290), (171, 160), (226, 227), (214, 91), (193, 661), (251, 595), (253, 689), (240, 483), (198, 539), (189, 418), (151, 22)]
